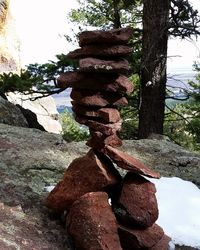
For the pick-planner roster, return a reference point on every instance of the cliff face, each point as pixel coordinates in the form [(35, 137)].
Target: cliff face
[(9, 43)]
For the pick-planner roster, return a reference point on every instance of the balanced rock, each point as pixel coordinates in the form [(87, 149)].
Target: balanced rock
[(126, 161), (106, 66), (132, 238), (108, 115), (93, 98), (85, 174), (106, 129), (139, 201), (100, 51), (99, 140), (94, 81), (92, 224), (115, 36)]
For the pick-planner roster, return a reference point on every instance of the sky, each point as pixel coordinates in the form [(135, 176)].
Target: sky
[(42, 24)]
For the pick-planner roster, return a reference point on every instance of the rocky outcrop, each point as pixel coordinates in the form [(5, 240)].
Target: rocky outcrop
[(46, 114), (31, 160), (9, 42), (11, 114)]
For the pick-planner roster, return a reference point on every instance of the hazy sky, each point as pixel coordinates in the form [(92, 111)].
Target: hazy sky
[(41, 25)]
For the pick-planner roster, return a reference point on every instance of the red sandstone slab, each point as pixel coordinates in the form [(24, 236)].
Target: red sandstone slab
[(106, 129), (99, 140), (126, 161), (108, 115), (139, 201), (101, 99), (93, 81), (100, 51), (92, 224), (163, 244), (85, 174), (106, 66), (114, 36), (136, 239)]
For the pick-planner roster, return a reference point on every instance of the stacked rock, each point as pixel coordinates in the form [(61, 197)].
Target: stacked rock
[(99, 87)]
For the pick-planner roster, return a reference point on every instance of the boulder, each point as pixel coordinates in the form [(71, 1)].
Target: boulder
[(93, 98), (136, 239), (115, 51), (92, 224), (85, 174), (104, 66), (138, 200), (44, 109), (114, 36), (11, 114), (128, 162)]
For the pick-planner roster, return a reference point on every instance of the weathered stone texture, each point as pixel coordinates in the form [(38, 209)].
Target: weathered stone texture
[(92, 223), (85, 174), (128, 162), (139, 201), (105, 66), (100, 51), (115, 36), (132, 238), (105, 82)]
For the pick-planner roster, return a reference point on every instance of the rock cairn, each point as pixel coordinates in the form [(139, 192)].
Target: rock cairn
[(99, 87)]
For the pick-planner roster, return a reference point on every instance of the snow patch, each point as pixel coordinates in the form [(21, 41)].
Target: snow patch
[(179, 210)]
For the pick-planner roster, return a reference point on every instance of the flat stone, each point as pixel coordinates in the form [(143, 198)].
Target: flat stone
[(100, 99), (126, 161), (138, 201), (114, 36), (85, 174), (163, 244), (105, 66), (99, 140), (109, 115), (100, 51), (136, 239), (92, 224), (94, 81), (106, 129)]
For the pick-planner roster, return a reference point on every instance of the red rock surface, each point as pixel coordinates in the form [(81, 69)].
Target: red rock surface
[(106, 129), (134, 239), (139, 201), (99, 140), (108, 115), (105, 66), (115, 36), (126, 161), (85, 174), (94, 81), (100, 51), (93, 98), (92, 224), (163, 244)]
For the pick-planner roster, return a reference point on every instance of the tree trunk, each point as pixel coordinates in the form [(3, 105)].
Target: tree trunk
[(153, 71)]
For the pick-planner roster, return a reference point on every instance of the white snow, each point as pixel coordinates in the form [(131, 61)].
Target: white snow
[(179, 210), (49, 188)]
